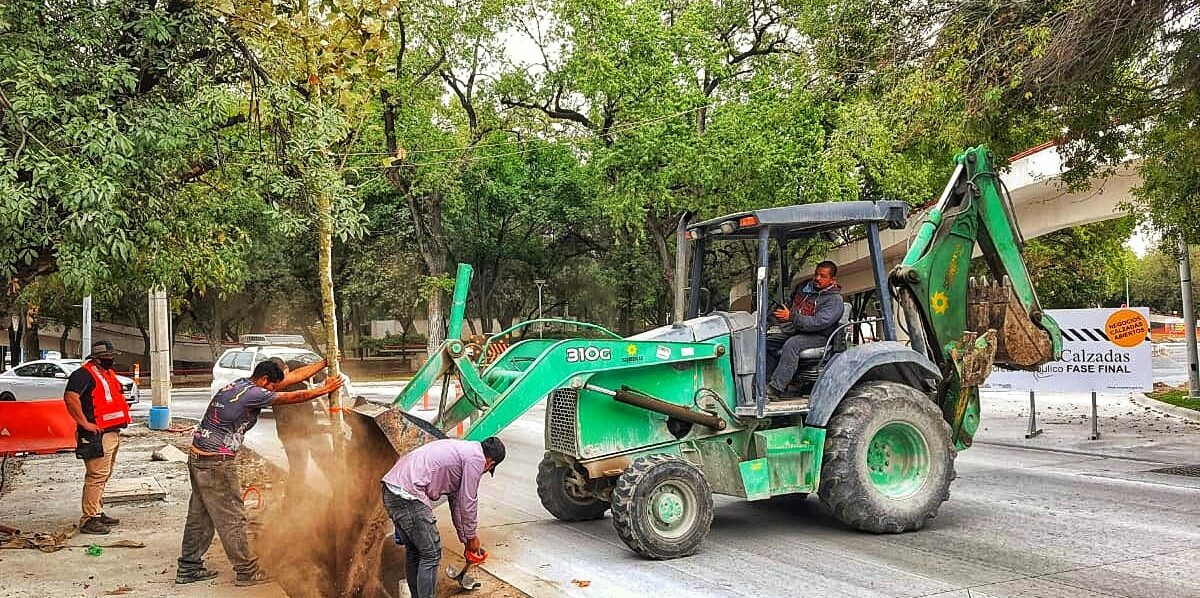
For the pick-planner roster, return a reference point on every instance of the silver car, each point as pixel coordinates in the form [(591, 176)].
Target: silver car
[(46, 379)]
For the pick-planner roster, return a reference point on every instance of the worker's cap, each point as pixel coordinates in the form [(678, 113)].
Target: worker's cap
[(493, 449), (102, 349)]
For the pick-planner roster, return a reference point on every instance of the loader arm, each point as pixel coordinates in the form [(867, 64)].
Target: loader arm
[(962, 323), (528, 371)]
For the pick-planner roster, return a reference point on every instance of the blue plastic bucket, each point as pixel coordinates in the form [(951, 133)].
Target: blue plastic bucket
[(160, 418)]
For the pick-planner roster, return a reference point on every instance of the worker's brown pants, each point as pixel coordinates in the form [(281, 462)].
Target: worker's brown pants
[(216, 506), (98, 472)]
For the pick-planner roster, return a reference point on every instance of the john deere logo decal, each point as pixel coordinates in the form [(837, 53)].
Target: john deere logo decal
[(939, 303)]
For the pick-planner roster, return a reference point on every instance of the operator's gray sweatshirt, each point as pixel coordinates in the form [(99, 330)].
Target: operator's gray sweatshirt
[(814, 311)]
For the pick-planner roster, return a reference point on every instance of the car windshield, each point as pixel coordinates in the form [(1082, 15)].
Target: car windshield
[(305, 357), (70, 365)]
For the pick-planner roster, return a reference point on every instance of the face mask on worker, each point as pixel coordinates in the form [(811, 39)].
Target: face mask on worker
[(106, 362)]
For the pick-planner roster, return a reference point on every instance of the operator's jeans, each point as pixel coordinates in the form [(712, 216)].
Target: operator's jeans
[(422, 542)]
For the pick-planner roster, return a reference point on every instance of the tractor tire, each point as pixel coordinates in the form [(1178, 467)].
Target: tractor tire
[(560, 498), (662, 507), (889, 459)]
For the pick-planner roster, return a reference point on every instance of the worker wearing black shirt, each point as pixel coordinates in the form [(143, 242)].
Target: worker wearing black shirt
[(96, 403)]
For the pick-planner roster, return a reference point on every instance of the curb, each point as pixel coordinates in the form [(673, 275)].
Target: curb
[(1167, 408)]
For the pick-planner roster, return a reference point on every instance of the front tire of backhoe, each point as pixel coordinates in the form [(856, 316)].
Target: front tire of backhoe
[(662, 507), (889, 459), (561, 498)]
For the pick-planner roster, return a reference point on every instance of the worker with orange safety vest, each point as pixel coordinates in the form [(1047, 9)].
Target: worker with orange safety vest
[(96, 403)]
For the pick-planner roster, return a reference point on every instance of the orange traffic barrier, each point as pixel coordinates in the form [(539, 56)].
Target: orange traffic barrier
[(41, 427)]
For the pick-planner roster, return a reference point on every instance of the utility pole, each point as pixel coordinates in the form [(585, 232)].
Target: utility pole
[(85, 330), (1189, 318), (160, 361)]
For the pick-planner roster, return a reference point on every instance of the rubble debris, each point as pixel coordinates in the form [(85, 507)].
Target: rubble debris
[(169, 453)]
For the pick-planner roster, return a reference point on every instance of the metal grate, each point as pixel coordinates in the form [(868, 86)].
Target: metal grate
[(562, 420), (1185, 470)]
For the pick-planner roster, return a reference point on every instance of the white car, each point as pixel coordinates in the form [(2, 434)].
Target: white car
[(46, 379), (240, 362)]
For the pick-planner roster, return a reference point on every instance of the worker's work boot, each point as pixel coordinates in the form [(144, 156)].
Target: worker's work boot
[(194, 576), (109, 521), (773, 394), (253, 579), (94, 526)]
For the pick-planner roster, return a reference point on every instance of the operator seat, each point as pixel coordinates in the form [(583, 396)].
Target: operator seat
[(837, 341)]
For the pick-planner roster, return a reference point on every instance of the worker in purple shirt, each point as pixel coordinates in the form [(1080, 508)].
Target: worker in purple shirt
[(450, 468)]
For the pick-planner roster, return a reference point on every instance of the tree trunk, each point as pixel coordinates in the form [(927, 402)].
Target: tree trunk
[(146, 340), (215, 332), (16, 340), (437, 327), (62, 340), (660, 233), (33, 344)]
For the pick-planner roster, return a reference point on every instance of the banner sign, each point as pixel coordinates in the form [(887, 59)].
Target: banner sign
[(1105, 349)]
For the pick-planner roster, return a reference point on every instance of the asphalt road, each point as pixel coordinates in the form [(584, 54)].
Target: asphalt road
[(1170, 363), (1021, 522)]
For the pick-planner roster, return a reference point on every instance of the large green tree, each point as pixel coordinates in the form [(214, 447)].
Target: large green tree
[(110, 118)]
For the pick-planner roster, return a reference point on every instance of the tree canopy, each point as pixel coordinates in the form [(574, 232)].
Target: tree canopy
[(193, 144)]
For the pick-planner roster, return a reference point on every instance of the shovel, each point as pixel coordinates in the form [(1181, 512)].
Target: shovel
[(465, 581)]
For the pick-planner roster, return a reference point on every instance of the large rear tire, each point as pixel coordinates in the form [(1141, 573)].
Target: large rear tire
[(562, 498), (889, 459), (662, 507)]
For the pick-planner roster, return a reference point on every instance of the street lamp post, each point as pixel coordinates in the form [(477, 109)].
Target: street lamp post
[(540, 282)]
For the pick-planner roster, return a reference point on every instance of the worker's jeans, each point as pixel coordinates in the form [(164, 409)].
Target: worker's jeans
[(788, 355), (422, 542), (98, 472), (216, 506)]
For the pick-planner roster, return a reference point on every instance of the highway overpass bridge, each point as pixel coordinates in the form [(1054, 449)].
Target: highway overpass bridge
[(1042, 202)]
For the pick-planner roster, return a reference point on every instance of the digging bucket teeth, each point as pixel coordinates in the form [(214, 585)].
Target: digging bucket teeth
[(992, 305)]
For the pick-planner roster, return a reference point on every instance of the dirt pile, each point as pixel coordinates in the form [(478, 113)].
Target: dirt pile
[(336, 540)]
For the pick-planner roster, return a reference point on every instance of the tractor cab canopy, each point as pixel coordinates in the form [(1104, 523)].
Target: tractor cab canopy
[(805, 220), (765, 236)]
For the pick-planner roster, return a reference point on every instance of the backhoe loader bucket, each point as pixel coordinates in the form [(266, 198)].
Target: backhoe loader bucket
[(378, 436), (1022, 344)]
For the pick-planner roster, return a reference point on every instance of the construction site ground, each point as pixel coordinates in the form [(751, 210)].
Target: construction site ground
[(42, 494), (1054, 516)]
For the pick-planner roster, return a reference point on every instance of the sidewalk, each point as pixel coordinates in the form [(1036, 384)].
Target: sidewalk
[(1127, 430), (45, 496)]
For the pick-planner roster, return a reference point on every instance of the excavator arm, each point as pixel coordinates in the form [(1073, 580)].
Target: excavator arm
[(963, 323)]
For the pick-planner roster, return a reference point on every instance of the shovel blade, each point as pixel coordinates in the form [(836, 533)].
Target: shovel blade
[(465, 581)]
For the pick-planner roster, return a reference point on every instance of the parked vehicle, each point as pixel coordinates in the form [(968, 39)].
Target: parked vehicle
[(46, 379), (257, 348)]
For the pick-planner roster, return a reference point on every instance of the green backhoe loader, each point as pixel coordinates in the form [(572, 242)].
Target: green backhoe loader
[(650, 426)]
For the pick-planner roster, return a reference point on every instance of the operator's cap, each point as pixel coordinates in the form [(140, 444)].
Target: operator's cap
[(493, 449), (102, 349)]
